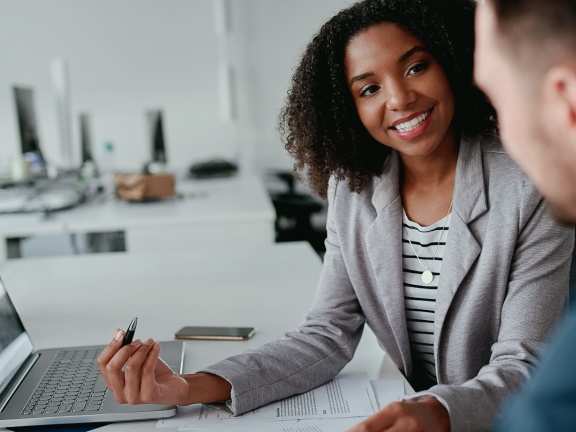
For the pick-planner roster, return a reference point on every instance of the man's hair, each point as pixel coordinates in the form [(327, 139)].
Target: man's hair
[(537, 21)]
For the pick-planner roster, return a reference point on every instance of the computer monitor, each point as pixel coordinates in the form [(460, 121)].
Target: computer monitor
[(85, 138), (88, 166), (156, 136), (27, 124)]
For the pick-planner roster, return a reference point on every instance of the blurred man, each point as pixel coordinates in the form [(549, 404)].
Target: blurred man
[(526, 64)]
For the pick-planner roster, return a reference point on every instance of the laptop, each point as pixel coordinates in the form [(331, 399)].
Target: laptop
[(62, 386)]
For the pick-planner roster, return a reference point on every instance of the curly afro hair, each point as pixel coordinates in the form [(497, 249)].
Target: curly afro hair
[(319, 124)]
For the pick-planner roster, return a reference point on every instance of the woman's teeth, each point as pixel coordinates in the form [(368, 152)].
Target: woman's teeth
[(412, 124)]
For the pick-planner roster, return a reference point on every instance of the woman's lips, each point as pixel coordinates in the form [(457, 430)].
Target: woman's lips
[(410, 117), (415, 132)]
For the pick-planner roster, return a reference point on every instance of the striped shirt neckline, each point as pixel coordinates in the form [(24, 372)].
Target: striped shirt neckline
[(420, 298)]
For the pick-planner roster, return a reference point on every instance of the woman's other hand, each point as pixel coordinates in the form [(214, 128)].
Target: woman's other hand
[(136, 375), (426, 415)]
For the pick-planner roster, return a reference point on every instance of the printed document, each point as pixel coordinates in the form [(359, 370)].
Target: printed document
[(347, 395), (323, 425)]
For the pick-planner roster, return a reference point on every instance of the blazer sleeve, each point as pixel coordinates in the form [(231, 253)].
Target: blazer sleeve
[(314, 352), (536, 296)]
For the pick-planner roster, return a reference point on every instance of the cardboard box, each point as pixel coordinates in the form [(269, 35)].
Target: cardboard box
[(141, 187)]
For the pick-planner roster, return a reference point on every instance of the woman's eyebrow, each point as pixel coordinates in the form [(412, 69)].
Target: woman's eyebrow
[(361, 77), (407, 54), (403, 57)]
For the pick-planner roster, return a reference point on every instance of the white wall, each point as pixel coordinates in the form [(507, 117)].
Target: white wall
[(275, 32), (126, 56)]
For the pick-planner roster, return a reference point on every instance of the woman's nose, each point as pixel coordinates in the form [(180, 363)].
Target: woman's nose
[(398, 94)]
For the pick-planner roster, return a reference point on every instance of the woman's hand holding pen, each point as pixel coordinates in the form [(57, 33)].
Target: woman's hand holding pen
[(147, 379)]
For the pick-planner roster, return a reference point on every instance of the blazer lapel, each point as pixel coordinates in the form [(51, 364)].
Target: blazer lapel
[(384, 244), (462, 248)]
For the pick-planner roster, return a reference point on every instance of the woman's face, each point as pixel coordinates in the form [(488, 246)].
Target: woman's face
[(401, 92)]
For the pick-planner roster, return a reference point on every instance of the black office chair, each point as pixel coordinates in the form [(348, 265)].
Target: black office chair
[(298, 209)]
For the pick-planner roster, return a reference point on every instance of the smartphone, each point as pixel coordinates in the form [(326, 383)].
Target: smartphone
[(215, 333)]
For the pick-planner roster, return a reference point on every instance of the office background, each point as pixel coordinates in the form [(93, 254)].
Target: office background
[(127, 56)]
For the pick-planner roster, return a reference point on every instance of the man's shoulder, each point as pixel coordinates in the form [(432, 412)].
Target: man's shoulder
[(546, 402)]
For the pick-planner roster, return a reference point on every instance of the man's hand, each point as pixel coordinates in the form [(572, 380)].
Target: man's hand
[(145, 378), (426, 415)]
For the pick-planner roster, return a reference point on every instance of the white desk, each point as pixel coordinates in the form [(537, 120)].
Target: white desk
[(219, 212), (79, 300)]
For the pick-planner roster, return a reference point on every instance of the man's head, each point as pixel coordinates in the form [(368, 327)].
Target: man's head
[(525, 61)]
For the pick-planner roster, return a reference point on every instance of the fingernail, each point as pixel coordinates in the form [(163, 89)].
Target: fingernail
[(119, 335), (136, 342), (156, 346), (149, 341)]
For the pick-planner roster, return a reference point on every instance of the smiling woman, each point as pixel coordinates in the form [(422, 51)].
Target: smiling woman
[(384, 120), (400, 91), (436, 239), (320, 124)]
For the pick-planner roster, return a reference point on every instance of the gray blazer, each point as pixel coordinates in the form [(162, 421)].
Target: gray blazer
[(503, 284)]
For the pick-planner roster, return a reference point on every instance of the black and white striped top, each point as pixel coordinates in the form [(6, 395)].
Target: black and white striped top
[(420, 298)]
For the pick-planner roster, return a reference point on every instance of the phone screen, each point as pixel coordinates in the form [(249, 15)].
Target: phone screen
[(215, 333)]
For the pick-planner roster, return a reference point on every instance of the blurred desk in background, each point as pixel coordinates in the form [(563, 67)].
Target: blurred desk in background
[(79, 300), (209, 213)]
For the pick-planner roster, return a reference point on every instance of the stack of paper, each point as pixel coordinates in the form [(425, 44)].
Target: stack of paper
[(333, 407)]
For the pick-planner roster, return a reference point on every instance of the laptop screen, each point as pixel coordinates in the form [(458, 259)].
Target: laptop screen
[(15, 345)]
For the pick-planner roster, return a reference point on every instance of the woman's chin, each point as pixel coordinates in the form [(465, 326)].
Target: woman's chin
[(417, 148)]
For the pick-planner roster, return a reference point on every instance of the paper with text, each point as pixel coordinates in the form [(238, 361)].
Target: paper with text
[(347, 395), (323, 425)]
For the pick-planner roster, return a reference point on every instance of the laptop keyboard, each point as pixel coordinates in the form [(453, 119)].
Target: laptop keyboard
[(72, 383)]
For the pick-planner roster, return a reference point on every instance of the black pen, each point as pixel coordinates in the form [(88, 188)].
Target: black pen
[(130, 332)]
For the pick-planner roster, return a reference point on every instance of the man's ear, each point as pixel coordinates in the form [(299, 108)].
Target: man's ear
[(560, 98)]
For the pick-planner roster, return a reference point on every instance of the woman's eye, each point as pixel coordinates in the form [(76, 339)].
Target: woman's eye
[(417, 68), (369, 90)]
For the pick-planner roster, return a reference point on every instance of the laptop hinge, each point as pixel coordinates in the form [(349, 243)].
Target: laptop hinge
[(17, 380)]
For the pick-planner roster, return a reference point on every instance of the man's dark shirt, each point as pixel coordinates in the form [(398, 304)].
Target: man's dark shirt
[(547, 402)]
